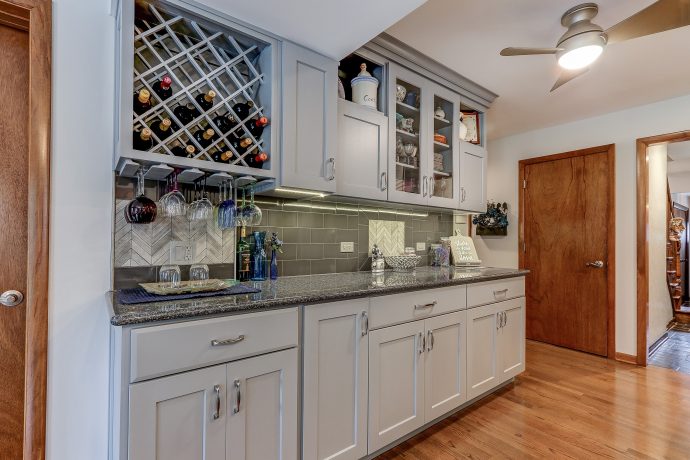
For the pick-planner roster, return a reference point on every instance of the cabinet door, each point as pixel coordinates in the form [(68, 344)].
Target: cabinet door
[(336, 377), (362, 152), (180, 416), (396, 382), (482, 350), (443, 122), (472, 177), (445, 365), (408, 134), (262, 407), (309, 115), (511, 339)]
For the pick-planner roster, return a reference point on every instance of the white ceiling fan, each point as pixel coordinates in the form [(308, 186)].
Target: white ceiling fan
[(584, 41)]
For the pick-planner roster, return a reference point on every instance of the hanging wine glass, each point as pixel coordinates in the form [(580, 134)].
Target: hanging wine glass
[(201, 208), (251, 212), (240, 220), (226, 209), (141, 210), (173, 203)]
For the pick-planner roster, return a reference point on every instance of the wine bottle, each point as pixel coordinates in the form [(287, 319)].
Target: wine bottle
[(241, 145), (257, 160), (142, 140), (184, 151), (185, 113), (205, 137), (242, 109), (222, 157), (142, 101), (206, 100), (257, 125), (163, 129), (243, 256), (225, 122), (163, 88)]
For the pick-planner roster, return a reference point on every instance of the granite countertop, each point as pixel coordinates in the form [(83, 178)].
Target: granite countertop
[(297, 290)]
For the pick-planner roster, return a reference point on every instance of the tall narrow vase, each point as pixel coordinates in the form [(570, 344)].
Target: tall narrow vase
[(259, 257), (274, 265)]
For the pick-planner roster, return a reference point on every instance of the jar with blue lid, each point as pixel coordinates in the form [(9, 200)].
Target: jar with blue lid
[(365, 88)]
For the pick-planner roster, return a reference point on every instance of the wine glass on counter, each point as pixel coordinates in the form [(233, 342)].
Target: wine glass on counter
[(173, 203)]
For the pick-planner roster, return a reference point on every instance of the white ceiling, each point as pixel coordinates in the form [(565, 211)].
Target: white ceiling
[(329, 27), (468, 35)]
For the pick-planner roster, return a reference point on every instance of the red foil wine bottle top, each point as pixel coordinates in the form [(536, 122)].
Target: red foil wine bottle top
[(166, 81)]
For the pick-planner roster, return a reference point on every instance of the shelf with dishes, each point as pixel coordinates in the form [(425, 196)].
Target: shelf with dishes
[(201, 95)]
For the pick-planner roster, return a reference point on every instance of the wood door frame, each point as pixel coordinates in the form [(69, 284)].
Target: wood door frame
[(35, 17), (610, 150), (643, 235)]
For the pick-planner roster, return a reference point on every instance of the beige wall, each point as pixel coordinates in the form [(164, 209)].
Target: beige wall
[(621, 128), (660, 309)]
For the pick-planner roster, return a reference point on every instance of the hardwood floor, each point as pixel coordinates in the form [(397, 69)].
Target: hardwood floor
[(567, 404)]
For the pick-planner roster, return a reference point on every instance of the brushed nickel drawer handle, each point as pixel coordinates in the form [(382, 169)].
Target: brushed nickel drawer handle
[(221, 343), (426, 305), (502, 292)]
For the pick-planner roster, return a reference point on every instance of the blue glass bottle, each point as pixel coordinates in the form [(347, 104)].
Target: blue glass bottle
[(274, 265), (259, 257)]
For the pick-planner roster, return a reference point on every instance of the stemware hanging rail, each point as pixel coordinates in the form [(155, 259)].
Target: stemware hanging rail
[(197, 60)]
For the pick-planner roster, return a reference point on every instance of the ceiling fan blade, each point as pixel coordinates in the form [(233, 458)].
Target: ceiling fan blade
[(658, 17), (527, 51), (566, 76)]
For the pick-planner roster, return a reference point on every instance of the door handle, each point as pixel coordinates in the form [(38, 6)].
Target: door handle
[(238, 396), (11, 298), (425, 305), (424, 186), (384, 182), (595, 264), (462, 194), (331, 161), (422, 343), (216, 390), (220, 343), (430, 340), (365, 323)]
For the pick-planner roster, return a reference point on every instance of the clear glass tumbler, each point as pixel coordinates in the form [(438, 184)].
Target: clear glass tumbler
[(169, 276), (198, 273)]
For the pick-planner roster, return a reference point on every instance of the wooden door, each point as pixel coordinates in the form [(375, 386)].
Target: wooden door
[(444, 373), (310, 95), (181, 416), (482, 349), (335, 379), (262, 407), (511, 338), (682, 212), (396, 382), (362, 152), (567, 246)]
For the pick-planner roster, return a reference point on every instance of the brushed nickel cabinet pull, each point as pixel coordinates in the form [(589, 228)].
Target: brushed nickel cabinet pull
[(426, 305), (430, 340), (238, 396), (365, 323), (221, 343), (501, 293), (331, 161), (216, 390), (422, 343)]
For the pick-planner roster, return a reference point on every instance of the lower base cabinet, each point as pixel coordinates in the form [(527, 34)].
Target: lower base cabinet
[(242, 410), (496, 344)]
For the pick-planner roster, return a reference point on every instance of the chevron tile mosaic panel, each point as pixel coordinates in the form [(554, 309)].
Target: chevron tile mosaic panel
[(143, 245), (388, 235)]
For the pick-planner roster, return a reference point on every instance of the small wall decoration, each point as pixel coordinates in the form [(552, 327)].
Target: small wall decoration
[(494, 221), (463, 251), (471, 120)]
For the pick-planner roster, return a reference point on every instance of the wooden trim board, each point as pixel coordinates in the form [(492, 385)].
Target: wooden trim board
[(642, 196), (35, 16), (610, 150)]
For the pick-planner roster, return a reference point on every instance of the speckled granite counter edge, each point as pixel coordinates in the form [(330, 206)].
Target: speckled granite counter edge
[(197, 311)]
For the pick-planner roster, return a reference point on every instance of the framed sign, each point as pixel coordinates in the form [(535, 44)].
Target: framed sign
[(471, 120), (464, 253)]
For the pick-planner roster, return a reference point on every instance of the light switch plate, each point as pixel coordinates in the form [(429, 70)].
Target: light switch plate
[(181, 252), (347, 246), (421, 246)]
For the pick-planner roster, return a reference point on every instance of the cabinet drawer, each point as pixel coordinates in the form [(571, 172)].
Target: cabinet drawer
[(495, 291), (409, 306), (169, 348)]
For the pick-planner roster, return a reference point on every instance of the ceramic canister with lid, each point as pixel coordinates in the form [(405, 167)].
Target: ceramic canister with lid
[(364, 88)]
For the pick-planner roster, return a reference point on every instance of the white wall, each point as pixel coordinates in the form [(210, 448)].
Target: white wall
[(660, 308), (621, 128), (81, 219), (679, 182)]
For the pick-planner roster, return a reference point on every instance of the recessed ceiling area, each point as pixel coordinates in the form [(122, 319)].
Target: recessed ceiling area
[(468, 36), (334, 29)]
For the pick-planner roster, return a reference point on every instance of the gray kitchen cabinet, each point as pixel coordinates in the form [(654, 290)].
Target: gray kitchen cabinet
[(362, 152), (472, 177), (180, 416), (309, 115), (335, 380), (443, 155)]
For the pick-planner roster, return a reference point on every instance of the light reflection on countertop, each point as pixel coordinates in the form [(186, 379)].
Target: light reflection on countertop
[(298, 290)]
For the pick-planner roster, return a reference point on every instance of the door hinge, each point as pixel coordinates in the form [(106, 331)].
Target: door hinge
[(524, 183)]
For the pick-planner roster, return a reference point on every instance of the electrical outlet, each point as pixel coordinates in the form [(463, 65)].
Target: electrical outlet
[(421, 246), (181, 252), (347, 246)]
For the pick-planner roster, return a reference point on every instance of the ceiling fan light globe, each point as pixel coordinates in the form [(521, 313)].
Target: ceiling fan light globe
[(581, 57)]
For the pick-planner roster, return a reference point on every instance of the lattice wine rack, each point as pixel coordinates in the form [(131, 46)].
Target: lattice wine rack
[(198, 55)]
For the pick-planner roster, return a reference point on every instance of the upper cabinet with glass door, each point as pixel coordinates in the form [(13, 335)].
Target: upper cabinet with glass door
[(409, 112), (444, 165)]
